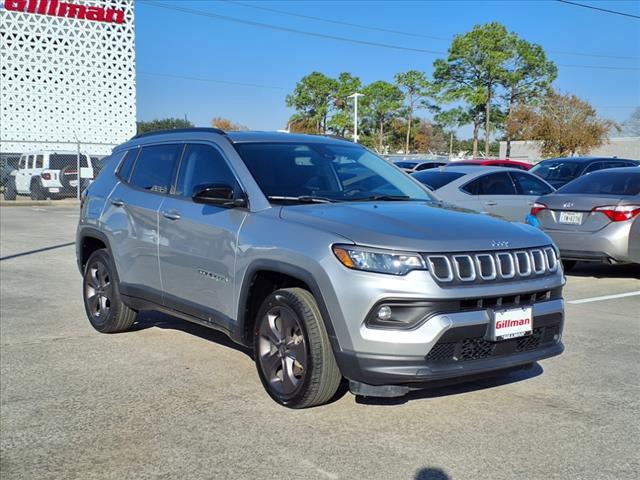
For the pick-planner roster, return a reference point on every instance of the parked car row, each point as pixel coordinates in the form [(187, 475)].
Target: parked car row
[(595, 217)]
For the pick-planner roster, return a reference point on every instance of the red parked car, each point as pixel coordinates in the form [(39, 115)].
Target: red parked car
[(495, 162)]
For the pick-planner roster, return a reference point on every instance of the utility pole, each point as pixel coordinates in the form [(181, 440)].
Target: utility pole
[(355, 114), (450, 146)]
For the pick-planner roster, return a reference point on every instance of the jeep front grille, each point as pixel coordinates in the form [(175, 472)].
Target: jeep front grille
[(485, 267)]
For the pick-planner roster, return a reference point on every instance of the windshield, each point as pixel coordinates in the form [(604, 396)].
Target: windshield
[(558, 170), (605, 183), (435, 179), (405, 164), (328, 171)]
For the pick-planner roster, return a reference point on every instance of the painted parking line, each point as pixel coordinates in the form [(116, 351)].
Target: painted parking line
[(604, 297)]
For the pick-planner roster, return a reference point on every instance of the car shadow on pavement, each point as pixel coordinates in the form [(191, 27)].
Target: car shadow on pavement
[(148, 319), (489, 381), (431, 474), (599, 270)]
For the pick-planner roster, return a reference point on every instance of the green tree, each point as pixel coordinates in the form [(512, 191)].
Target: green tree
[(415, 87), (474, 70), (527, 78), (382, 102), (341, 121), (162, 124), (312, 99)]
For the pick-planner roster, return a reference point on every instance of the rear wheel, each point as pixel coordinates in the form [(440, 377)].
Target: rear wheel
[(102, 302), (37, 191), (567, 265), (293, 355)]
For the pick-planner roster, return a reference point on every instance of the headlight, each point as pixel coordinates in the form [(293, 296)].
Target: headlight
[(379, 261)]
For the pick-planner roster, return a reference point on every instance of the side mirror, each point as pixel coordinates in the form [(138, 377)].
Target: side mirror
[(217, 194)]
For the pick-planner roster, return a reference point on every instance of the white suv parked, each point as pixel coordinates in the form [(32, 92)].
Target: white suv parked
[(45, 174)]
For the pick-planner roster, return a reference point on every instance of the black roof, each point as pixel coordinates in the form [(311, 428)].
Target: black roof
[(589, 159)]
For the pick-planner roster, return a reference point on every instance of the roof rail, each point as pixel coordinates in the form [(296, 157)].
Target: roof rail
[(181, 130)]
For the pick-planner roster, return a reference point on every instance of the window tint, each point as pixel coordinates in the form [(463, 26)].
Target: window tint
[(529, 184), (39, 161), (203, 164), (558, 170), (59, 161), (435, 179), (155, 166), (23, 162), (127, 164), (593, 167), (607, 182), (30, 164), (406, 164), (492, 184)]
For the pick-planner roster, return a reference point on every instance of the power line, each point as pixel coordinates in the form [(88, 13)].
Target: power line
[(211, 80), (269, 26), (614, 12), (399, 32)]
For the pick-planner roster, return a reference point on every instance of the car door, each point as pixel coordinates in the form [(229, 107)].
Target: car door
[(198, 241), (131, 217), (498, 196), (21, 175), (529, 188)]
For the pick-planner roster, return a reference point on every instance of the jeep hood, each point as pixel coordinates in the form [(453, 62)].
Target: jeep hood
[(416, 226)]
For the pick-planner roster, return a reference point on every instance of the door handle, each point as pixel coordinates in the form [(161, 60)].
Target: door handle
[(492, 204), (171, 215), (117, 203)]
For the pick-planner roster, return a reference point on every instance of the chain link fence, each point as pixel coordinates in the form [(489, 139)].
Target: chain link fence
[(49, 173)]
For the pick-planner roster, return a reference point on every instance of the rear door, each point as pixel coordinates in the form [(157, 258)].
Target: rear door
[(22, 185), (498, 196), (529, 187), (131, 217), (198, 242)]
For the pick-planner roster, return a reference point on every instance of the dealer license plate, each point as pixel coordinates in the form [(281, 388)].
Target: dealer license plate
[(511, 323), (571, 218), (54, 190)]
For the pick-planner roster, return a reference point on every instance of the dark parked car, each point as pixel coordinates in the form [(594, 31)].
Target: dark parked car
[(560, 171), (411, 166), (595, 218)]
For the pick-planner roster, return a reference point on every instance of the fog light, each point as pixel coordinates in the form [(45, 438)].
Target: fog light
[(384, 313)]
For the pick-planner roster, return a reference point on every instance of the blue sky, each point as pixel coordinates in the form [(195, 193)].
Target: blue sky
[(177, 43)]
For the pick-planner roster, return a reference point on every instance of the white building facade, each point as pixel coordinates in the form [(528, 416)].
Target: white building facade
[(67, 75), (621, 147)]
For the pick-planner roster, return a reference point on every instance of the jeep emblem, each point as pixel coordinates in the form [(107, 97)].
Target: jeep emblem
[(500, 244)]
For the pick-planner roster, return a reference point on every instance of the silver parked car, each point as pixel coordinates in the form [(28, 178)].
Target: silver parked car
[(327, 260), (506, 192), (594, 218)]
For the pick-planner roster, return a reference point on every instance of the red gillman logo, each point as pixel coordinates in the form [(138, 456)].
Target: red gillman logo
[(512, 323), (64, 9)]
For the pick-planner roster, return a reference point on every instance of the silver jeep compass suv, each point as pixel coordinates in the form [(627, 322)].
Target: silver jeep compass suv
[(329, 261)]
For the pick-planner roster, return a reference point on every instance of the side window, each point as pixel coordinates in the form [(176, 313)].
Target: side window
[(31, 161), (39, 161), (472, 188), (594, 167), (529, 184), (126, 165), (155, 166), (496, 184), (202, 164), (23, 163)]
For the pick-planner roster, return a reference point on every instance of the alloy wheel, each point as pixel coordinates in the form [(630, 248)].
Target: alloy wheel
[(98, 291), (282, 350)]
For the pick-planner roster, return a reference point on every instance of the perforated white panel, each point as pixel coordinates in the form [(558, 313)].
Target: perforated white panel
[(64, 80)]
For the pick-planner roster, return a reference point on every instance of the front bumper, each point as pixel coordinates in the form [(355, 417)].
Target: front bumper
[(460, 351)]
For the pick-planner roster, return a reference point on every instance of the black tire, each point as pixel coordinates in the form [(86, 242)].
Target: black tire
[(102, 302), (37, 191), (67, 175), (314, 376), (567, 265), (10, 190)]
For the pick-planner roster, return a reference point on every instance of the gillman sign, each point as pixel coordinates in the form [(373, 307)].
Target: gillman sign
[(66, 9)]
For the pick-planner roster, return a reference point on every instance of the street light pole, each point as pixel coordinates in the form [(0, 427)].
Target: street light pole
[(355, 114)]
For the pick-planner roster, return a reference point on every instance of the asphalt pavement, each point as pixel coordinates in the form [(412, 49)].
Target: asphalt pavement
[(178, 401)]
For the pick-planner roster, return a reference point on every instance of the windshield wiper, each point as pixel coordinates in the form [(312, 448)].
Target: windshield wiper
[(385, 198), (301, 199)]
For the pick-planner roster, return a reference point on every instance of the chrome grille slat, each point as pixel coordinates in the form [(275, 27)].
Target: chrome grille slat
[(487, 267)]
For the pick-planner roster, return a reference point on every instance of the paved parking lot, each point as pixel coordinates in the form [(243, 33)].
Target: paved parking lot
[(174, 400)]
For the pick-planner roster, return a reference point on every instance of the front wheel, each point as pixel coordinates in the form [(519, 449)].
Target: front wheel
[(293, 355), (37, 191), (102, 302)]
